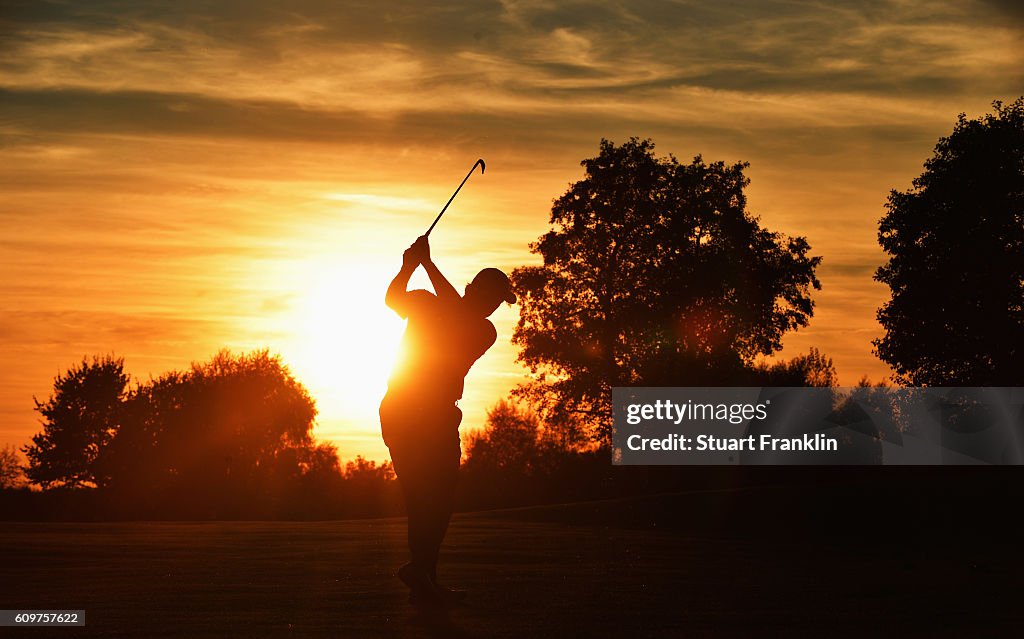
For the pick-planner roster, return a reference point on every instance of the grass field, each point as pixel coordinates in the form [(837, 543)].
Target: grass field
[(682, 565)]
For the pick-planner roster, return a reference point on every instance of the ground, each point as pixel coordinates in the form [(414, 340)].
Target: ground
[(707, 563)]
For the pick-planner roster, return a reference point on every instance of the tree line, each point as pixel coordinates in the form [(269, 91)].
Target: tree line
[(655, 273), (228, 437)]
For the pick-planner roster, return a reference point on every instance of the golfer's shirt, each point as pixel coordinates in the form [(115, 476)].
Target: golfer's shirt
[(440, 344)]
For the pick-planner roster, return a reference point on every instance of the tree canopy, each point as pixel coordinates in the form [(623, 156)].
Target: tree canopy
[(79, 420), (232, 422), (654, 273), (956, 260)]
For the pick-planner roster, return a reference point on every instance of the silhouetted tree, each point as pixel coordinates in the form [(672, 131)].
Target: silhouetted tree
[(228, 438), (517, 458), (812, 369), (956, 260), (368, 488), (80, 419), (565, 432), (509, 441), (322, 460), (654, 274), (225, 425), (361, 469), (11, 471)]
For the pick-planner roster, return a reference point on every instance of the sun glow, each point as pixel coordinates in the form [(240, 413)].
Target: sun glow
[(345, 340)]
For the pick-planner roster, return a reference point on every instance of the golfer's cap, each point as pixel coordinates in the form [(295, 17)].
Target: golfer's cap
[(494, 280)]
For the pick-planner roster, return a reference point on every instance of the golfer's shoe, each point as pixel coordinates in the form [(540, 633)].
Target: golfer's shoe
[(412, 576), (423, 591)]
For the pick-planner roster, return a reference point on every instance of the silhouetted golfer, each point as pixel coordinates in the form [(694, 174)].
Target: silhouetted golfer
[(419, 418)]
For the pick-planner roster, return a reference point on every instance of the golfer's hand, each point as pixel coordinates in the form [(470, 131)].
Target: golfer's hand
[(409, 259), (418, 253)]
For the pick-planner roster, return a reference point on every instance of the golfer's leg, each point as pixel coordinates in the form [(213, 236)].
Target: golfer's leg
[(442, 487), (421, 531), (410, 478), (418, 508), (436, 526)]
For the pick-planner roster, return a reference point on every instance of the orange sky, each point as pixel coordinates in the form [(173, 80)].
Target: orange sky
[(178, 179)]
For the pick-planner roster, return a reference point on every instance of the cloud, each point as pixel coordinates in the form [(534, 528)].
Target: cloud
[(163, 113), (105, 331), (516, 55), (754, 81), (1002, 9), (770, 77)]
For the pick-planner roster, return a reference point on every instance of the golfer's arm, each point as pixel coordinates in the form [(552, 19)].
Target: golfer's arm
[(442, 286), (397, 289)]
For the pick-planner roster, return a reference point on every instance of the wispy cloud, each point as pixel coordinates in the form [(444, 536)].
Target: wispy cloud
[(512, 55)]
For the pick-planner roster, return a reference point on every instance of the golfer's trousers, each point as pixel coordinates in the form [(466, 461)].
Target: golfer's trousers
[(424, 442)]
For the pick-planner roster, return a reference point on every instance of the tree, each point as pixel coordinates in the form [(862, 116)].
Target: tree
[(80, 419), (654, 273), (813, 369), (223, 424), (509, 441), (366, 471), (956, 260), (11, 471)]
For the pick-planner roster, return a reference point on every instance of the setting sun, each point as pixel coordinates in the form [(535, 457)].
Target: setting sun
[(344, 339)]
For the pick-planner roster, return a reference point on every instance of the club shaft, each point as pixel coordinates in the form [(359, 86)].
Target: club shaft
[(438, 218)]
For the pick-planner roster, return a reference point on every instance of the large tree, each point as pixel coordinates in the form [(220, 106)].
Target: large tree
[(223, 424), (79, 420), (654, 273), (234, 424), (956, 260)]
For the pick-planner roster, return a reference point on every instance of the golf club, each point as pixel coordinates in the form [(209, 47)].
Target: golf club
[(483, 167)]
